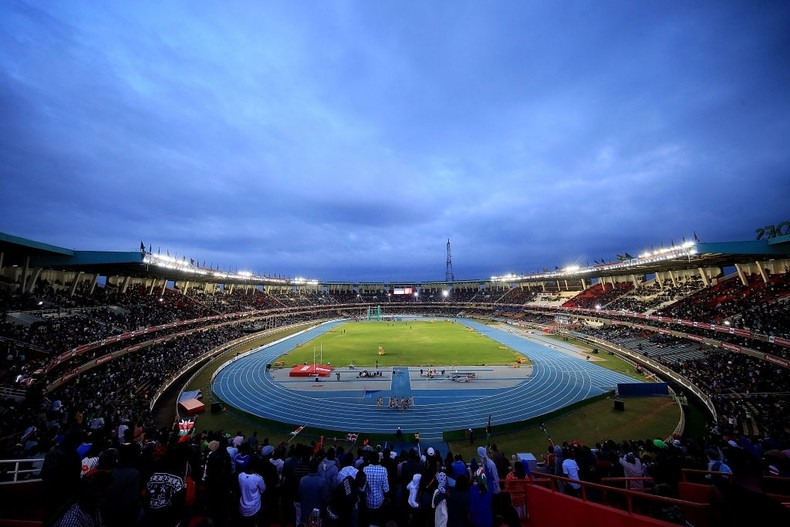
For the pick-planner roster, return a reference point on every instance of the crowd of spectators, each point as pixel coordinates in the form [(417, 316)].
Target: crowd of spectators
[(154, 477), (748, 393)]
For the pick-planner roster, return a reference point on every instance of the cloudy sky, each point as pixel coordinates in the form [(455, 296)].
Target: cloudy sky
[(349, 140)]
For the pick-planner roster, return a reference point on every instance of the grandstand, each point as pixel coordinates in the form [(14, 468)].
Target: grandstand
[(105, 334)]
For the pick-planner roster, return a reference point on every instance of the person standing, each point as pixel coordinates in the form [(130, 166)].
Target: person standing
[(458, 503), (632, 468), (344, 505), (492, 473), (218, 480), (481, 498), (439, 502), (251, 486), (413, 518), (499, 459), (376, 490), (570, 469), (313, 493)]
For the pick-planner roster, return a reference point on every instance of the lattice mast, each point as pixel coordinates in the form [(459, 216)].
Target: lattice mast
[(449, 277)]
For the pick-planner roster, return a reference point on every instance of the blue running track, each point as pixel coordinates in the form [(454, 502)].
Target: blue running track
[(557, 380)]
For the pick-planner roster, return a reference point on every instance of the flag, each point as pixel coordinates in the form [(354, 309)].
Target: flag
[(318, 446), (351, 437), (621, 257), (628, 256), (142, 246), (186, 427), (695, 237), (296, 432)]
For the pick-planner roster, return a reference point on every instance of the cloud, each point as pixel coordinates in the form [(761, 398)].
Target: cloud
[(352, 139)]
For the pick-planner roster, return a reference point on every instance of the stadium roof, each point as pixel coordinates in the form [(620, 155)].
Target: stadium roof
[(20, 251)]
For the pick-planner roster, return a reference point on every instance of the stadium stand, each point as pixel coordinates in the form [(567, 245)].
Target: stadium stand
[(81, 362)]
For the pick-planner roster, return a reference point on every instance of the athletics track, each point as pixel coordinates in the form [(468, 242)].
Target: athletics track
[(557, 379)]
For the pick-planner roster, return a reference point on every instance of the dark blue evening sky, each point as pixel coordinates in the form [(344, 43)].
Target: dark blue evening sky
[(348, 140)]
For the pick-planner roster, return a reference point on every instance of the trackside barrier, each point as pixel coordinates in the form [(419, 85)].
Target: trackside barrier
[(17, 470), (597, 504)]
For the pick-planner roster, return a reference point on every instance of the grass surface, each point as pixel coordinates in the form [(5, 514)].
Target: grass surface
[(404, 343), (643, 418)]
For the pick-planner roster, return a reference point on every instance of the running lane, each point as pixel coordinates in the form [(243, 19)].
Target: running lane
[(557, 380)]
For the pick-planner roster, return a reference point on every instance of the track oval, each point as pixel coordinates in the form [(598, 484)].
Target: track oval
[(557, 380)]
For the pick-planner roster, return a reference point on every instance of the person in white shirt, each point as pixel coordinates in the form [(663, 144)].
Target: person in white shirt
[(251, 486), (570, 469)]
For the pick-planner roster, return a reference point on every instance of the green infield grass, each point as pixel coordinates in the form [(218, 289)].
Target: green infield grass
[(401, 343)]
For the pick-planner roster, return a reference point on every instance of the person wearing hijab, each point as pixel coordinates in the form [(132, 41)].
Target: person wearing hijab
[(414, 500), (440, 501), (490, 469)]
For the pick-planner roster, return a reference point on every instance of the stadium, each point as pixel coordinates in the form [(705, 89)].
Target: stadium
[(118, 346)]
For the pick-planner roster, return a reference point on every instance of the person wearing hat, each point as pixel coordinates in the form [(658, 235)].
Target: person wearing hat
[(431, 466), (218, 480), (268, 469)]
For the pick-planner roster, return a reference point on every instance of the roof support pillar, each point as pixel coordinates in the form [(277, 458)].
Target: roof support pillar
[(704, 276), (24, 274), (741, 274), (74, 283), (125, 284), (761, 269), (33, 279)]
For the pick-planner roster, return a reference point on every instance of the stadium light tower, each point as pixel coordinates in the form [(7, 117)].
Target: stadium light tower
[(449, 276)]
